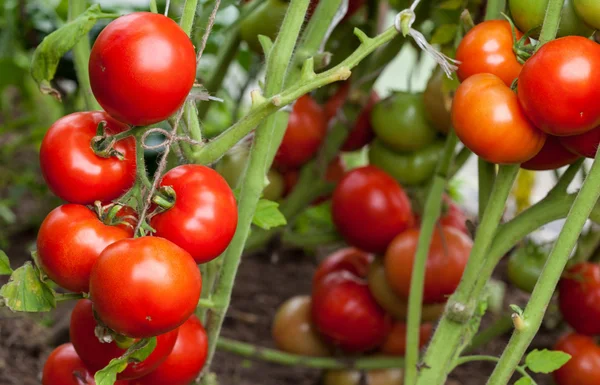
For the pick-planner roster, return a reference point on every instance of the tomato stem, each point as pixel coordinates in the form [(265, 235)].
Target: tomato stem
[(486, 177), (153, 7), (494, 9), (520, 369), (187, 16), (551, 22)]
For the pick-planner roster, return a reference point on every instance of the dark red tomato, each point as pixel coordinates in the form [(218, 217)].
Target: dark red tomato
[(304, 134), (71, 168), (558, 86), (553, 155), (488, 119), (69, 242), (145, 286), (488, 48), (448, 256), (584, 366), (370, 208), (204, 217), (96, 355), (347, 315), (142, 68), (452, 216), (584, 144), (64, 367), (348, 259), (362, 131), (186, 359), (579, 298), (395, 344)]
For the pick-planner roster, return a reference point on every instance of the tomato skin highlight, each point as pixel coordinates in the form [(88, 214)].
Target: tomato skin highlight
[(558, 86), (70, 241), (584, 366), (585, 144), (204, 217), (186, 360), (579, 298), (145, 286), (370, 208), (488, 119), (142, 68), (488, 48), (72, 170), (553, 155)]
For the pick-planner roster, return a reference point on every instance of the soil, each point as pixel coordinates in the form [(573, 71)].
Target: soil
[(264, 282)]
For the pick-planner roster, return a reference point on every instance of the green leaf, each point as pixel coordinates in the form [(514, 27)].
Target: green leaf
[(546, 361), (451, 4), (517, 309), (267, 215), (524, 381), (138, 352), (315, 219), (25, 291), (444, 34), (59, 42), (4, 264)]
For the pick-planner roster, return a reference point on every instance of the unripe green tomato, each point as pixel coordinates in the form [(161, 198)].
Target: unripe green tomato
[(438, 101), (589, 11), (525, 265), (399, 121), (408, 168), (275, 188), (264, 20), (529, 14), (373, 377)]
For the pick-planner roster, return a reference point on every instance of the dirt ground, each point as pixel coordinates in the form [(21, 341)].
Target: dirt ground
[(264, 282)]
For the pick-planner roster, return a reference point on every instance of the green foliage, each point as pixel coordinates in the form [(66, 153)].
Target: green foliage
[(26, 291), (136, 353), (546, 361), (267, 215), (524, 381), (315, 219), (4, 264)]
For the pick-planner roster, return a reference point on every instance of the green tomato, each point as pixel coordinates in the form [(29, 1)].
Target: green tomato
[(589, 11), (530, 14), (438, 100), (264, 20), (525, 265), (400, 122), (275, 188), (408, 168)]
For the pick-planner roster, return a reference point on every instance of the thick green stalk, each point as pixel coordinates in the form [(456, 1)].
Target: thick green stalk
[(153, 7), (415, 301), (486, 175), (467, 359), (187, 17), (494, 9), (551, 21), (81, 56), (459, 160), (546, 284)]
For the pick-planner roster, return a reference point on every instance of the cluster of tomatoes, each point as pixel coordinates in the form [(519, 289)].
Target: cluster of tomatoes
[(139, 285)]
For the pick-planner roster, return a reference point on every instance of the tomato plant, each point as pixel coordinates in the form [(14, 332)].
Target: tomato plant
[(264, 20), (438, 102), (579, 297), (553, 155), (372, 377), (584, 366), (452, 216), (585, 144), (589, 11), (64, 367), (395, 344), (348, 259), (525, 265), (529, 15)]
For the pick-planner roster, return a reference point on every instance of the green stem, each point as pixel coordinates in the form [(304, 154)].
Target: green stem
[(68, 296), (289, 238), (501, 326), (210, 272), (81, 56), (153, 7), (546, 284), (466, 359), (551, 21), (486, 175), (459, 161), (415, 301), (494, 9), (140, 165), (187, 17)]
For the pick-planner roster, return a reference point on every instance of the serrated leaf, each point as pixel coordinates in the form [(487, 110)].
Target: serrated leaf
[(4, 264), (444, 34), (108, 375), (138, 352), (524, 381), (25, 291), (267, 215), (55, 45), (546, 361)]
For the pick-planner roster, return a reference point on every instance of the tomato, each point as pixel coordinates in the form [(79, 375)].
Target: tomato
[(528, 15), (408, 168), (395, 344), (584, 366), (525, 265), (584, 144), (348, 259), (145, 286), (448, 255), (142, 68), (71, 168), (370, 208), (451, 216), (293, 330), (186, 360), (304, 134), (204, 217), (263, 20), (553, 155), (488, 119), (488, 48), (558, 86), (400, 122), (579, 297), (589, 11), (347, 315), (362, 132), (69, 242), (96, 355), (64, 367), (390, 302), (372, 377), (438, 102)]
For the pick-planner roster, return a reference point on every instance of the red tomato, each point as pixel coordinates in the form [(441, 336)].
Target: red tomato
[(584, 366), (96, 355), (579, 298), (558, 86), (362, 132), (452, 216), (69, 242), (204, 217), (71, 168), (64, 367), (370, 208), (304, 134), (145, 286), (488, 48), (186, 359), (488, 119), (448, 256), (348, 259), (347, 315), (585, 144), (142, 68), (395, 343), (552, 156)]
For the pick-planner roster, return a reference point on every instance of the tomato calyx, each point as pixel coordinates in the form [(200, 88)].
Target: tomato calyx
[(106, 336), (165, 197), (522, 48), (115, 214), (103, 144)]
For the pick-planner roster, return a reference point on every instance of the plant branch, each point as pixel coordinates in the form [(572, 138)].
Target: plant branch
[(551, 22), (486, 176), (494, 9), (153, 7), (466, 359), (501, 326), (187, 17)]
